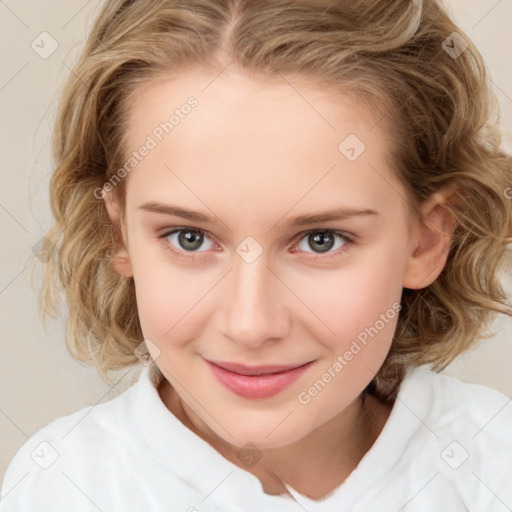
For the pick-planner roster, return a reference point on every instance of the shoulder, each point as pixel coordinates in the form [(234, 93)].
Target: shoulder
[(60, 454), (466, 435), (450, 398)]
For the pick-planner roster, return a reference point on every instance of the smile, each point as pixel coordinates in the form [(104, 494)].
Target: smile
[(256, 381)]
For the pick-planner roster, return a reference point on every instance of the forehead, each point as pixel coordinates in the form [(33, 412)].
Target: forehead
[(262, 106), (281, 139)]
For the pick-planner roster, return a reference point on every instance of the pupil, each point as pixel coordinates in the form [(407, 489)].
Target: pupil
[(190, 237), (320, 240)]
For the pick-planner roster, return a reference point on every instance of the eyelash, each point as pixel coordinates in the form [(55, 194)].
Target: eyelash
[(193, 255)]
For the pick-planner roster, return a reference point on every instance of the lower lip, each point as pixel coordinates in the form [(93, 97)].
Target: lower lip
[(257, 386)]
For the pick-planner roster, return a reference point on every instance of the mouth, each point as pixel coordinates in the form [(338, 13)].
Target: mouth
[(260, 381), (242, 369)]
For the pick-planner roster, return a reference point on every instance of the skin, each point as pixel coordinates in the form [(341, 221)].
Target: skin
[(255, 154)]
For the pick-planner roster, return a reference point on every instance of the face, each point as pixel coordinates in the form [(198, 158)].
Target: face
[(247, 279)]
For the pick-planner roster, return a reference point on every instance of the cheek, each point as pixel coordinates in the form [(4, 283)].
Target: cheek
[(360, 307), (169, 298), (354, 296)]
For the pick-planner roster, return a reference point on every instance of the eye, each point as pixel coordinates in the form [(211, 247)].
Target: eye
[(186, 240), (323, 241)]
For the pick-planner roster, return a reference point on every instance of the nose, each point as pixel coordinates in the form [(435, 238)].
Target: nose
[(254, 305)]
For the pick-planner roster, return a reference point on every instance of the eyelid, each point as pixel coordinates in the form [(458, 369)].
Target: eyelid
[(344, 234), (171, 230)]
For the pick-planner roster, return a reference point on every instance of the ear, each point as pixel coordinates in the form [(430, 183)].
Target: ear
[(121, 259), (430, 244)]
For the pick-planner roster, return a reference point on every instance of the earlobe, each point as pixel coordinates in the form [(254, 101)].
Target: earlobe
[(430, 244), (121, 259)]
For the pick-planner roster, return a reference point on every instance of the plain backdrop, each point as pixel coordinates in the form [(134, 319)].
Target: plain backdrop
[(39, 380)]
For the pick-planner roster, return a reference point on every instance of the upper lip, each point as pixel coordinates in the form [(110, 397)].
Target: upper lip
[(243, 369)]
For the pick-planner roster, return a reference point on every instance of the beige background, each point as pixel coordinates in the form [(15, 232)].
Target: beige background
[(39, 380)]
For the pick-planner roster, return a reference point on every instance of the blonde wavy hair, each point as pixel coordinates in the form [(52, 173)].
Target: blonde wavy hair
[(400, 56)]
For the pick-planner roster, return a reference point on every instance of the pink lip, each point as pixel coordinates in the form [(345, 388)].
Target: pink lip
[(256, 381)]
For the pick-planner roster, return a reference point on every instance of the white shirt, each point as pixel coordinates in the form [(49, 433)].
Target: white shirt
[(447, 446)]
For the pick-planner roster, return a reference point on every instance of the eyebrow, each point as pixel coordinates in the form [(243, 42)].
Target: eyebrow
[(300, 220)]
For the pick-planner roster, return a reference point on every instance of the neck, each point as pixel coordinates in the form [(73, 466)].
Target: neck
[(316, 464)]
